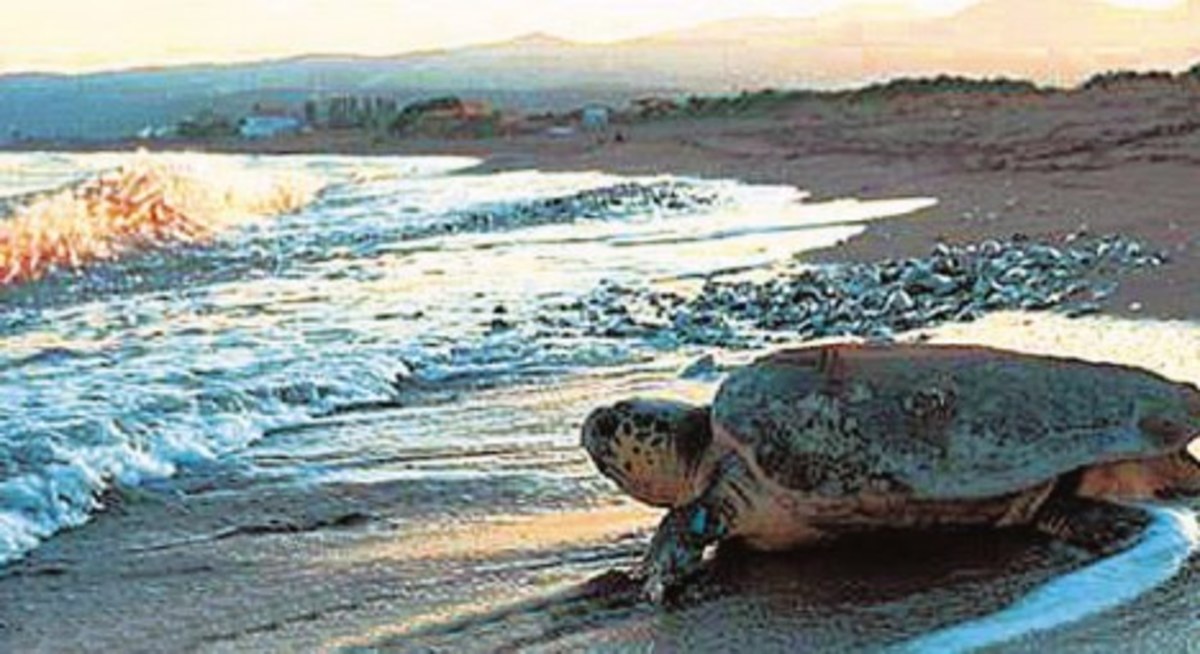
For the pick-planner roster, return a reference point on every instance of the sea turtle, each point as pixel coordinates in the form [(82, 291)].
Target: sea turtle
[(807, 444)]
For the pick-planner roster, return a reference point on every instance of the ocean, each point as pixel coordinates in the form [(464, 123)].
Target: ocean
[(160, 312)]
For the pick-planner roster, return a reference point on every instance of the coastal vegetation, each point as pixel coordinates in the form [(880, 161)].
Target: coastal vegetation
[(206, 124), (377, 116), (376, 120), (381, 118)]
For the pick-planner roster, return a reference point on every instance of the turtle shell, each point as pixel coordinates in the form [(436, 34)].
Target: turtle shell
[(944, 422)]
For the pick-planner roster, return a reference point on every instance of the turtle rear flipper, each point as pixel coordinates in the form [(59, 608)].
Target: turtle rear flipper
[(1173, 476), (1098, 526), (1183, 474)]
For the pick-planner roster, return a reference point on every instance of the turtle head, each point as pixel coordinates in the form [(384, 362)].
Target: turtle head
[(651, 448)]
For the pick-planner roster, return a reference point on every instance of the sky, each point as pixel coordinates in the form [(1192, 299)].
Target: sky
[(88, 35)]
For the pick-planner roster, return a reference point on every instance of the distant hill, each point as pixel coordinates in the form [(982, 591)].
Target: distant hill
[(1057, 42), (1060, 42)]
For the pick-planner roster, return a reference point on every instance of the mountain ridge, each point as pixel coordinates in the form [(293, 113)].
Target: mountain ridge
[(1060, 42)]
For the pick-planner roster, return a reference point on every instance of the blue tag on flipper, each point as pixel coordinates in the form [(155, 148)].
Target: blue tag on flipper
[(699, 520)]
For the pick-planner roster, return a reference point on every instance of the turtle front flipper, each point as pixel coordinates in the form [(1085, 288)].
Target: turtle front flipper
[(1098, 526), (677, 549)]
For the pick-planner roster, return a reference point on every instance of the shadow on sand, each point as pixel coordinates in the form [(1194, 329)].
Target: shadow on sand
[(865, 594)]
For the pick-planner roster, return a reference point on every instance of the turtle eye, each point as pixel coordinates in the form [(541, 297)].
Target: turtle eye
[(602, 422)]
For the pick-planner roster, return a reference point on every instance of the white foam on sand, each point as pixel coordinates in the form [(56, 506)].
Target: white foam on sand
[(1170, 348)]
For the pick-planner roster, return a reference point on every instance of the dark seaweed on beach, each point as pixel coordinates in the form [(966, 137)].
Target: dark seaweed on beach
[(616, 201), (872, 300)]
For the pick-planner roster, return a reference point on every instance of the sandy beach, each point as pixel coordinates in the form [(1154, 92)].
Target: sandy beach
[(189, 565)]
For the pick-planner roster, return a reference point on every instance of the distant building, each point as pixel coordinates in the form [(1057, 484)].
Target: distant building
[(595, 118), (268, 126), (445, 116), (654, 107), (152, 132), (449, 107), (473, 110)]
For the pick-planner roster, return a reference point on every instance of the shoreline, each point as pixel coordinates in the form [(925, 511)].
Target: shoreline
[(1118, 161)]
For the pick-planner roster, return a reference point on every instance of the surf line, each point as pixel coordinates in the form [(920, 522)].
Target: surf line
[(1172, 536)]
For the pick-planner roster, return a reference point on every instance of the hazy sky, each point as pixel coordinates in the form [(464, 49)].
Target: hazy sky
[(78, 35)]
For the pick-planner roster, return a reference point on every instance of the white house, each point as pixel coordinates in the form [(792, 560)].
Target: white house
[(155, 132), (265, 127), (560, 131), (595, 118)]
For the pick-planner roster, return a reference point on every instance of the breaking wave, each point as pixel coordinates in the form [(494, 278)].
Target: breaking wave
[(149, 202)]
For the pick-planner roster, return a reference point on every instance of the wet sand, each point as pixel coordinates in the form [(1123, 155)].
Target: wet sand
[(345, 568), (312, 572), (189, 566), (263, 569)]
